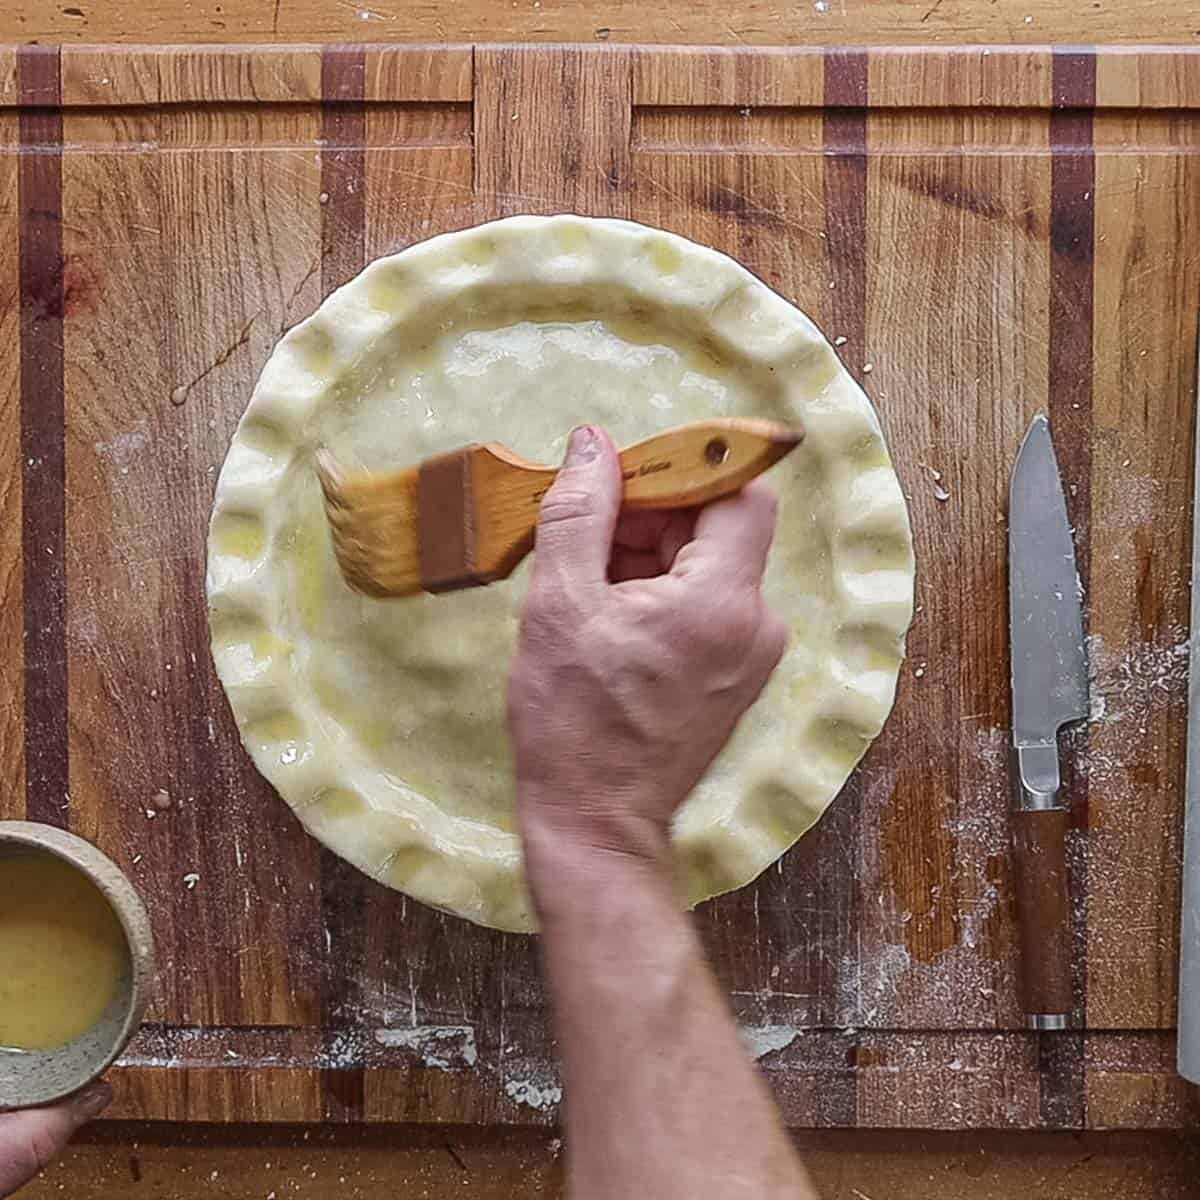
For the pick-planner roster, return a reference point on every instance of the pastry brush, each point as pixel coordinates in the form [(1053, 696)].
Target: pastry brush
[(468, 517)]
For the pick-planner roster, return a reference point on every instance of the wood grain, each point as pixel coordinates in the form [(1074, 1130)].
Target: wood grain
[(775, 77), (956, 379), (755, 188), (580, 160), (1071, 328), (1147, 279), (155, 759), (12, 611), (1147, 77), (1040, 883), (190, 73), (42, 444), (748, 22), (414, 968), (844, 307), (346, 895), (123, 734), (498, 1164), (995, 244), (419, 74), (962, 78), (108, 75)]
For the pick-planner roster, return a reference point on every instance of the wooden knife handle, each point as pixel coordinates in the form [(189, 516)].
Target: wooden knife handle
[(1043, 911)]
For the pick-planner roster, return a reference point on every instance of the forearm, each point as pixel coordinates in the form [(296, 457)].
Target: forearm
[(661, 1098)]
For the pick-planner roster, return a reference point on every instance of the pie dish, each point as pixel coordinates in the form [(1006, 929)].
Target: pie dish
[(381, 722)]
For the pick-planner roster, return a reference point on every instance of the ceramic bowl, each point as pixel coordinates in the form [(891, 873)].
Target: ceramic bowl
[(39, 1077)]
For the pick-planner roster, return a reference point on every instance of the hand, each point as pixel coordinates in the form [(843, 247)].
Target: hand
[(643, 640), (31, 1138)]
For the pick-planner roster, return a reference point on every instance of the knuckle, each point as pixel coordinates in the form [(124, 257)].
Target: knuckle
[(547, 611), (685, 559), (525, 698), (32, 1154), (522, 683), (764, 499), (44, 1148), (565, 504), (539, 602), (724, 623), (742, 622), (776, 638)]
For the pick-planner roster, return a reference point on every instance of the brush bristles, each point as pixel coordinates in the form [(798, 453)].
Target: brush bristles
[(373, 522)]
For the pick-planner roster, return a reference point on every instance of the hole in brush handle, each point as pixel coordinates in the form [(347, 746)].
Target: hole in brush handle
[(716, 452)]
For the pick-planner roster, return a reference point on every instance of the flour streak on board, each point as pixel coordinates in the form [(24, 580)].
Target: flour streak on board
[(534, 1094), (898, 979), (1127, 688), (444, 1047), (437, 1047), (761, 1040), (1130, 687)]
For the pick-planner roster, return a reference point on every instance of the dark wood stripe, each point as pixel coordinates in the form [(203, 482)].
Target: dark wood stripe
[(1072, 245), (1062, 1096), (344, 134), (846, 78), (821, 854), (343, 215), (845, 144), (43, 456)]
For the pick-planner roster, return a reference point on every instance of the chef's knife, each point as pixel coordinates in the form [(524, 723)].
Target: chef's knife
[(1189, 938), (1049, 690)]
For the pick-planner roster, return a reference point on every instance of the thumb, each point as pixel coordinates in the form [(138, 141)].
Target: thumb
[(32, 1138), (579, 513)]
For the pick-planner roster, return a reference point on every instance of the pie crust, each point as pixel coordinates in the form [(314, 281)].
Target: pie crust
[(381, 722)]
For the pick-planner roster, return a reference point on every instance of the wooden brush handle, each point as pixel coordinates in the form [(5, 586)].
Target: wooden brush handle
[(681, 468), (694, 464)]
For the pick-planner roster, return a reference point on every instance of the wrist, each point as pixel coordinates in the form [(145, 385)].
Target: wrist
[(568, 862)]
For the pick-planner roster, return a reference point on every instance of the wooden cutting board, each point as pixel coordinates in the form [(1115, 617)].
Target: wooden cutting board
[(990, 232)]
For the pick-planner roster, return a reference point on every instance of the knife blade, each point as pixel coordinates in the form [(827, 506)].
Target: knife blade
[(1049, 690), (1189, 934)]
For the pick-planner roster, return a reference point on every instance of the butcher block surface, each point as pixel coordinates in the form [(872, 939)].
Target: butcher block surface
[(992, 232)]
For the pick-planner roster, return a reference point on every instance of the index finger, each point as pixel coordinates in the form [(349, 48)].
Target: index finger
[(733, 537), (30, 1138)]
